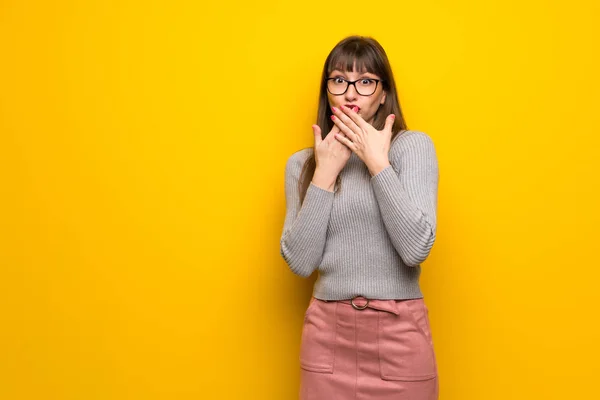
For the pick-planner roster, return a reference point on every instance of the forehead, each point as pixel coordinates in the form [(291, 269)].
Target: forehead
[(351, 73), (352, 60), (350, 67), (353, 67)]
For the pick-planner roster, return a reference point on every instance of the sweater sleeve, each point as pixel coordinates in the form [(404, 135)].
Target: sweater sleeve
[(406, 192), (305, 226)]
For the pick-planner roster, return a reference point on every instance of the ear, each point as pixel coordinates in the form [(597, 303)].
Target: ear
[(383, 98)]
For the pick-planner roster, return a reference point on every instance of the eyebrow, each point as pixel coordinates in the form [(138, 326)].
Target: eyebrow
[(341, 72)]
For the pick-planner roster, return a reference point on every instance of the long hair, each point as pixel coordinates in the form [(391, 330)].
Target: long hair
[(366, 55)]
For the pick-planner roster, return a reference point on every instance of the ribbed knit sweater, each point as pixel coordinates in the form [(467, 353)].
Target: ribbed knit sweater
[(369, 237)]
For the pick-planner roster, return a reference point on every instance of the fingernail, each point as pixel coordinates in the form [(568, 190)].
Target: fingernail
[(393, 116), (333, 117), (355, 109), (333, 109)]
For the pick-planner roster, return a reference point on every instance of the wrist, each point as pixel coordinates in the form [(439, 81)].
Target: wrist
[(378, 166), (324, 180)]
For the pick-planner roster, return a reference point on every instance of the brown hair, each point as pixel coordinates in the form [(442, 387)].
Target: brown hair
[(366, 55)]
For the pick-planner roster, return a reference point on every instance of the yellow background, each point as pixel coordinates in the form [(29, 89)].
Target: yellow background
[(142, 151)]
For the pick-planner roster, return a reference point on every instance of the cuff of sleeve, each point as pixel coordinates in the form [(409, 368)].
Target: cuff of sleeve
[(315, 212), (391, 196), (387, 188), (384, 175), (318, 195)]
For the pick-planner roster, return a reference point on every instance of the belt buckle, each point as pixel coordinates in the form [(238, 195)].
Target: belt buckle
[(359, 307)]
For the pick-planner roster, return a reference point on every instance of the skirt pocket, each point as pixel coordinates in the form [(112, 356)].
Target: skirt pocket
[(317, 348), (405, 347)]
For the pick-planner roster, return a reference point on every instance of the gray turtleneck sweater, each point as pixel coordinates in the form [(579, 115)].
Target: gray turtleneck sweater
[(369, 237)]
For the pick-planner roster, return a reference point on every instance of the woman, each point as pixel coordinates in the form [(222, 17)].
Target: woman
[(361, 209)]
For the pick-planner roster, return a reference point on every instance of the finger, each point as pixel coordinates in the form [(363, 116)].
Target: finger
[(389, 122), (331, 134), (343, 128), (343, 116), (344, 140), (355, 117), (317, 133)]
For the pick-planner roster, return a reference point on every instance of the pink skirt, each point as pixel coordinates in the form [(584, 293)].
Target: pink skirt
[(383, 351)]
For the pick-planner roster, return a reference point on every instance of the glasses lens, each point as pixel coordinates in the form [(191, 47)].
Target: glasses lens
[(366, 87), (337, 86)]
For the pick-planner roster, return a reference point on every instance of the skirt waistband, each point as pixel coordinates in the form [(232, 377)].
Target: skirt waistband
[(361, 303)]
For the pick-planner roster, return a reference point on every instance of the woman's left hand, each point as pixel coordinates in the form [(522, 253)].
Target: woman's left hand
[(369, 144)]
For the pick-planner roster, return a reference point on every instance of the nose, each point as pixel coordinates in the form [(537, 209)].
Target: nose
[(351, 93)]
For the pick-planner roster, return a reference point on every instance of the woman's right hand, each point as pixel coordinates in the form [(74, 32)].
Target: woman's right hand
[(330, 156)]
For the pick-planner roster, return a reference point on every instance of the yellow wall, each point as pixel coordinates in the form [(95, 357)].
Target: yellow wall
[(142, 149)]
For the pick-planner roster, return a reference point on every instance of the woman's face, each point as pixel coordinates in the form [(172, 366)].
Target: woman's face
[(368, 105)]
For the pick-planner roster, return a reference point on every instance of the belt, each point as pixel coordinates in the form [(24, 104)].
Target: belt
[(361, 303)]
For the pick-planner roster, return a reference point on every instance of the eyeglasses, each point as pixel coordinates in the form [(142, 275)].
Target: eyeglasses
[(364, 87)]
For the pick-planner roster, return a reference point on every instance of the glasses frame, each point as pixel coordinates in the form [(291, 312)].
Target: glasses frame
[(348, 83)]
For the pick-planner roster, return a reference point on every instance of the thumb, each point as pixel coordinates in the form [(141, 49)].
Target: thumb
[(317, 133), (389, 122)]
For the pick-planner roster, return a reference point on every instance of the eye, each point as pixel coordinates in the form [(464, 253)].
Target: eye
[(367, 81), (338, 80)]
